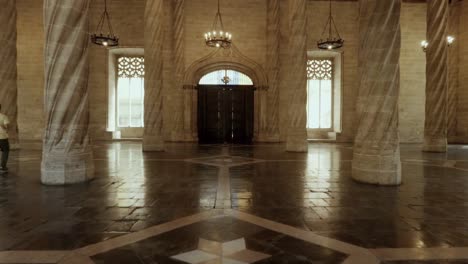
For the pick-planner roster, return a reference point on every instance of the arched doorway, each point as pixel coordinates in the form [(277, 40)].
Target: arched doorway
[(225, 108)]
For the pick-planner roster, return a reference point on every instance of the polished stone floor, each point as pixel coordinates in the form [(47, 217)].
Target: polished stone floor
[(236, 204)]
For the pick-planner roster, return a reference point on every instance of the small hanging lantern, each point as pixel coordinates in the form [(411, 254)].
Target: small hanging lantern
[(101, 39), (332, 41)]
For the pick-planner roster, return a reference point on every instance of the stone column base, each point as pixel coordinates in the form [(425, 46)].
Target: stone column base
[(377, 169), (266, 138), (153, 143), (435, 145), (189, 136), (14, 144), (296, 140), (177, 136), (63, 169)]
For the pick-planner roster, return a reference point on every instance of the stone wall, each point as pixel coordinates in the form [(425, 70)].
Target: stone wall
[(30, 48), (246, 19), (346, 19), (412, 73), (127, 21)]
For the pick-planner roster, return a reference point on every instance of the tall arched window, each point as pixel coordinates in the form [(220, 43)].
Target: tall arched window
[(324, 79), (126, 68), (218, 78), (320, 93), (130, 91)]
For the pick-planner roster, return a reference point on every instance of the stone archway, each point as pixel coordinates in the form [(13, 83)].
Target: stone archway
[(231, 59)]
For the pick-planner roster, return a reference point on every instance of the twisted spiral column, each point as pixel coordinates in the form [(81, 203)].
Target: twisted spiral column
[(154, 39), (453, 70), (376, 157), (452, 95), (67, 156), (273, 55), (8, 71), (188, 92), (296, 140), (435, 126), (177, 133)]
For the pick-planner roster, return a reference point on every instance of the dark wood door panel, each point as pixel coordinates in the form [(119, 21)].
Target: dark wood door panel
[(225, 114)]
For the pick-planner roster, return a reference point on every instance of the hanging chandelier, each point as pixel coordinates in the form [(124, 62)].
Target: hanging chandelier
[(425, 43), (218, 37), (98, 38), (332, 41)]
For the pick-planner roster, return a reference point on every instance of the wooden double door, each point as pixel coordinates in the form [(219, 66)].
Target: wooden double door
[(225, 114)]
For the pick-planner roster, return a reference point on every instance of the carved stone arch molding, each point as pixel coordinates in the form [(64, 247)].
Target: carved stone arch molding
[(231, 59)]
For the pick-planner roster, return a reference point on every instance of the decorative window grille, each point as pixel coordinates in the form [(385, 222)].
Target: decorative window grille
[(320, 69), (319, 94), (131, 67), (130, 91), (216, 78)]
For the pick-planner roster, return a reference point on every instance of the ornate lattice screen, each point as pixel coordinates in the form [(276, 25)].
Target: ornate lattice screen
[(131, 67), (319, 69)]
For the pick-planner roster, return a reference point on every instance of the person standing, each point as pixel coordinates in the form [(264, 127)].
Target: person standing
[(4, 144)]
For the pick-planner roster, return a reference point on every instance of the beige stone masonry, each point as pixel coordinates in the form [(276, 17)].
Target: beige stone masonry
[(462, 91), (435, 127), (154, 37), (273, 64), (177, 133), (67, 156), (376, 157), (296, 140), (8, 72)]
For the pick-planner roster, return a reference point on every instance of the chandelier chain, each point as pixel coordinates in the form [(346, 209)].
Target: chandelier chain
[(217, 18), (331, 17), (105, 18)]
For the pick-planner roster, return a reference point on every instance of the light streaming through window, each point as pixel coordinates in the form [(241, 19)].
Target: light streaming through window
[(319, 94), (130, 92), (216, 78)]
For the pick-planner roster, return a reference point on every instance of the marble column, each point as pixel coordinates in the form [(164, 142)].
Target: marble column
[(435, 126), (154, 38), (273, 57), (8, 72), (453, 62), (296, 140), (177, 133), (67, 155), (376, 157), (453, 71)]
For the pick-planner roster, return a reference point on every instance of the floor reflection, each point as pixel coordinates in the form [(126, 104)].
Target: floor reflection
[(312, 191)]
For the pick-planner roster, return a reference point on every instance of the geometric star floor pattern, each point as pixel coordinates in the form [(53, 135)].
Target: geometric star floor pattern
[(236, 204)]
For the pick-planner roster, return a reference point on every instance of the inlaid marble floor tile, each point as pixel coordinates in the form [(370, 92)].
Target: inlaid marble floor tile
[(195, 256), (313, 192)]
